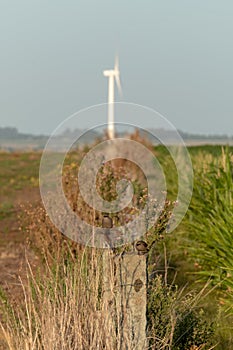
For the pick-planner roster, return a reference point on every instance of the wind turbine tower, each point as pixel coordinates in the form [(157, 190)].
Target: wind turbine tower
[(113, 75)]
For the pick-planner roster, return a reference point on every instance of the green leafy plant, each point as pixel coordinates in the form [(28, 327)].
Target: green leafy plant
[(174, 319)]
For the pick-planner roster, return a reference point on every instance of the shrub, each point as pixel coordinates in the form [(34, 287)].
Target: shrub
[(174, 320)]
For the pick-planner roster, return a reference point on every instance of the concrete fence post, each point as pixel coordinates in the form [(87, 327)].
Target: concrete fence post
[(125, 297)]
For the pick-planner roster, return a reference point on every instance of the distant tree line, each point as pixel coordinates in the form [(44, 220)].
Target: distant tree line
[(8, 133), (188, 136), (11, 133)]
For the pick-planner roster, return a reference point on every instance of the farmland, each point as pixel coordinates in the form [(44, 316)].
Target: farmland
[(192, 267)]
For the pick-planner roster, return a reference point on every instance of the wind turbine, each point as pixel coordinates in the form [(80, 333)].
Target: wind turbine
[(112, 74)]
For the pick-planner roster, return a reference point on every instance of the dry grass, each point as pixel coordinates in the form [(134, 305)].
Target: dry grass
[(64, 308)]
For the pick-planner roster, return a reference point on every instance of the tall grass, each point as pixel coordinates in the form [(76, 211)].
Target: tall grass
[(63, 305), (210, 222), (64, 308)]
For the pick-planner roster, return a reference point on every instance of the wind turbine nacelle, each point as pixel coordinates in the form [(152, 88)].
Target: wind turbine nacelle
[(109, 73)]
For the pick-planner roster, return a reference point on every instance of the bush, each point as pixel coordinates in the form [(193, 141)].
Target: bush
[(174, 321)]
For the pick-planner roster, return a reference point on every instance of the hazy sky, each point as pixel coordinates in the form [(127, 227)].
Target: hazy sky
[(175, 56)]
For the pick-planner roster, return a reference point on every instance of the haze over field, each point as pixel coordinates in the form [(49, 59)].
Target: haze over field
[(175, 57), (12, 140)]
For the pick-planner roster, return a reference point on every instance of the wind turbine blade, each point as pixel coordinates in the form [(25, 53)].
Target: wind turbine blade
[(116, 67), (118, 82), (117, 74)]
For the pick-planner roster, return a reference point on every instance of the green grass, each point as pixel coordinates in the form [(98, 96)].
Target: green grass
[(6, 210), (17, 171), (201, 247), (210, 223)]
